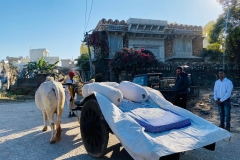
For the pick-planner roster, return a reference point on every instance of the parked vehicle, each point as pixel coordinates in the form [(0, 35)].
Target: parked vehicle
[(164, 85)]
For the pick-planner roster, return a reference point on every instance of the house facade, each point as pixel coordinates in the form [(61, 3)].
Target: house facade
[(36, 54), (169, 42), (67, 63)]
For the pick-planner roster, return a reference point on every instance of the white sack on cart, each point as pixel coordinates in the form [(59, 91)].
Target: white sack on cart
[(133, 92), (113, 94), (85, 90), (113, 84)]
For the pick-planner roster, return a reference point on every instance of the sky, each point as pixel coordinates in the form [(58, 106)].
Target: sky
[(59, 25)]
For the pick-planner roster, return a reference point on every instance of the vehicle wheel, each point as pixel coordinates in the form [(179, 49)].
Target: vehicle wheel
[(94, 129)]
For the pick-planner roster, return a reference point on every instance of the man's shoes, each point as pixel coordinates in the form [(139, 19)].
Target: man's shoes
[(221, 126), (228, 129), (73, 114), (69, 116)]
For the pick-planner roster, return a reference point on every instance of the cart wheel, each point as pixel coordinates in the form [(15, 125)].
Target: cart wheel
[(94, 129)]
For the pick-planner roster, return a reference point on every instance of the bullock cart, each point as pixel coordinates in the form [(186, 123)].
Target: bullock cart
[(99, 117)]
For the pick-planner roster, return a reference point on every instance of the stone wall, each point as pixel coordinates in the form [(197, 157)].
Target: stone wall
[(197, 46), (168, 46), (27, 82), (203, 74)]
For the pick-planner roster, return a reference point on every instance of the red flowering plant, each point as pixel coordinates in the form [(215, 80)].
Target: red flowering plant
[(132, 60), (98, 41)]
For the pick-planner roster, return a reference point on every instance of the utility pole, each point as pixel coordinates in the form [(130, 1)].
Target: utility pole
[(89, 54), (225, 36)]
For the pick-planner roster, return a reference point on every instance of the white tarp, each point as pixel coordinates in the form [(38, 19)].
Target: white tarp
[(145, 145)]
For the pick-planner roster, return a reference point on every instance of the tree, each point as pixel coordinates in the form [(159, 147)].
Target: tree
[(231, 41), (83, 62), (99, 41), (40, 66), (214, 52), (206, 29)]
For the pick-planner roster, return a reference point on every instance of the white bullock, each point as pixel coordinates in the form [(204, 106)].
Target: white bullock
[(50, 99)]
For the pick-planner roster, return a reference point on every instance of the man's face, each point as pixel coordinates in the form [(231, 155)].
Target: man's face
[(221, 75), (178, 71)]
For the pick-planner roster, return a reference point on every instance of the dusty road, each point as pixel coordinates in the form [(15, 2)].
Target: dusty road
[(21, 138)]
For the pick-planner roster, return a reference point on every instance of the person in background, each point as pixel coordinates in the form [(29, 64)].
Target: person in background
[(222, 91), (181, 88), (70, 95)]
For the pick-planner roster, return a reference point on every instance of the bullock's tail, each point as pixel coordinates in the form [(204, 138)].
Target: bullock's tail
[(60, 104), (60, 98)]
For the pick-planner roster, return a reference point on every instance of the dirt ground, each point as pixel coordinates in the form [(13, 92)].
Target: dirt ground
[(21, 136), (205, 107)]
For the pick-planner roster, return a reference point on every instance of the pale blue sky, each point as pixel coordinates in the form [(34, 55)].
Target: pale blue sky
[(58, 25)]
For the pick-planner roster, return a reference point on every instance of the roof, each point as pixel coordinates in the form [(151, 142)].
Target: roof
[(150, 74), (183, 56), (146, 21)]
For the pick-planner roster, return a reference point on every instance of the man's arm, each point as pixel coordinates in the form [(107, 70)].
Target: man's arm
[(229, 91), (215, 91)]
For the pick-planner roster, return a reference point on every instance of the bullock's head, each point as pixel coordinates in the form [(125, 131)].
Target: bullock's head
[(92, 81), (78, 87), (49, 78)]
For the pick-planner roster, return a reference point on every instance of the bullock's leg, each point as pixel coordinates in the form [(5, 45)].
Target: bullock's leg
[(44, 121), (52, 140), (58, 129), (50, 118)]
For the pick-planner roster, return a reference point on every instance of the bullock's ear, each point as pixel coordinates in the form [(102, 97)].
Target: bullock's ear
[(60, 80)]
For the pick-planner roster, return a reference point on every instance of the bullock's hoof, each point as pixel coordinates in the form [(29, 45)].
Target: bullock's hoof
[(44, 129), (58, 139), (52, 141)]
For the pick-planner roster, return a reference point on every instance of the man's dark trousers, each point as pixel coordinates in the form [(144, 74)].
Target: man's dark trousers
[(181, 100)]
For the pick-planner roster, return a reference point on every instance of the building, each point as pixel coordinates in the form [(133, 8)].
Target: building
[(36, 54), (18, 62), (52, 60), (205, 31), (83, 49), (169, 42), (205, 41), (67, 63)]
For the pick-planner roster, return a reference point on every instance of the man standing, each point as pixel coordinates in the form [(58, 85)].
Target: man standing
[(70, 94), (222, 92), (181, 88)]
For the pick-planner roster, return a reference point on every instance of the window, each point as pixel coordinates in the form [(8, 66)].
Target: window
[(139, 80)]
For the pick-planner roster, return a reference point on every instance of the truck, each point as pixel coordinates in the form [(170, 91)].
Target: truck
[(165, 85)]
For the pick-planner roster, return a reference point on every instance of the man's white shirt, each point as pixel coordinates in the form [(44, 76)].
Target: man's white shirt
[(68, 97), (223, 89), (71, 81)]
